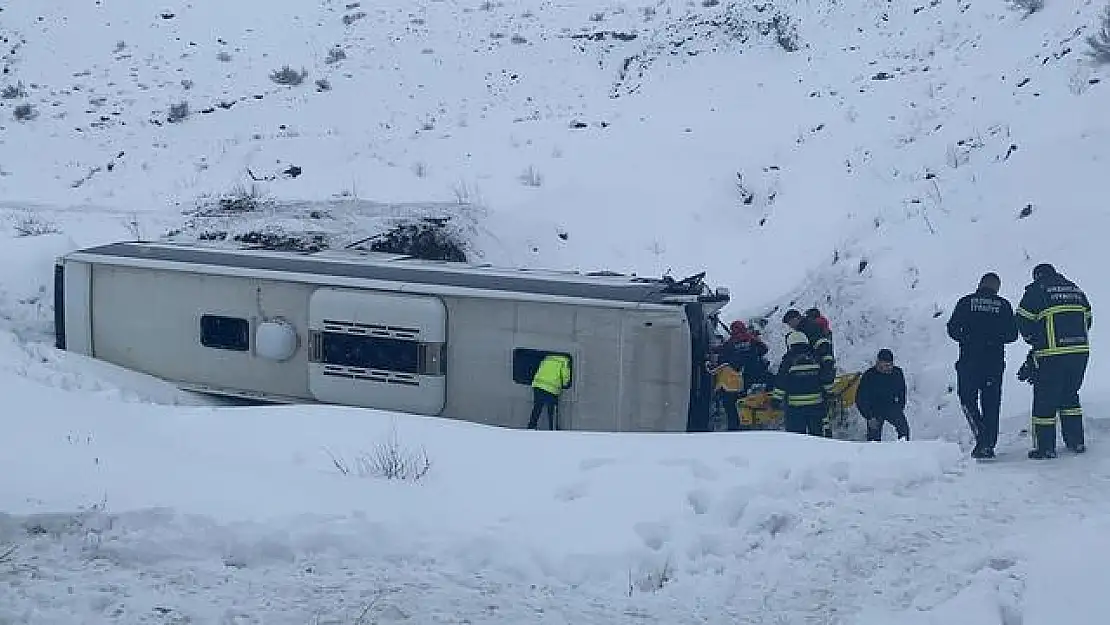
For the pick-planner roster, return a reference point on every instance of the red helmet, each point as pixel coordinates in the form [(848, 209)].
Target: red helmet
[(737, 327)]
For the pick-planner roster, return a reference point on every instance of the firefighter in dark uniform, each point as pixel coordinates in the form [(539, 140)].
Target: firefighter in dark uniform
[(983, 324), (1054, 317), (815, 327), (799, 388)]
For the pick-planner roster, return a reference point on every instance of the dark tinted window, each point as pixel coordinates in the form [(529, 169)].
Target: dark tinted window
[(527, 361), (225, 333), (348, 350)]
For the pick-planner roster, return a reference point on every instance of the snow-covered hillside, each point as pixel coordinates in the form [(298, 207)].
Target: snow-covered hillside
[(888, 150), (872, 158)]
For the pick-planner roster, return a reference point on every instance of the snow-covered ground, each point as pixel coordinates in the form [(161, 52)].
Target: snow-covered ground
[(891, 152), (132, 513)]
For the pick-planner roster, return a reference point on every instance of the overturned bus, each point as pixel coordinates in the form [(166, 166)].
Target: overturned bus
[(393, 332)]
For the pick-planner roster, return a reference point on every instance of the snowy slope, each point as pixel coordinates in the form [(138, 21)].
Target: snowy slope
[(892, 152), (907, 137)]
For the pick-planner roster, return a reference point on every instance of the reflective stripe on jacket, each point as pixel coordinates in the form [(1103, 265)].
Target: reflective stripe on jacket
[(1054, 317), (799, 383)]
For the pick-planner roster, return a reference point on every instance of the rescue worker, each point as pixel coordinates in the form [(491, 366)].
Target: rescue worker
[(1054, 318), (793, 319), (740, 363), (817, 330), (747, 353), (983, 324), (817, 323), (881, 397), (799, 389), (551, 379)]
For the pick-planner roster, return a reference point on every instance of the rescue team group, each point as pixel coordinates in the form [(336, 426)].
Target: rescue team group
[(1053, 317)]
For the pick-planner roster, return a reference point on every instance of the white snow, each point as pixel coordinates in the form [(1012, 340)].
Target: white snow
[(888, 161)]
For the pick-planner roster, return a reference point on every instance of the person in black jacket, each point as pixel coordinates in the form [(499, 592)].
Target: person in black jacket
[(881, 397), (983, 324), (745, 354), (799, 388), (816, 328), (1054, 318)]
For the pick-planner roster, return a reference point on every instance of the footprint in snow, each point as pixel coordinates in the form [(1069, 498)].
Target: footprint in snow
[(589, 464), (654, 535), (739, 462), (700, 470), (571, 492), (1000, 563), (699, 500)]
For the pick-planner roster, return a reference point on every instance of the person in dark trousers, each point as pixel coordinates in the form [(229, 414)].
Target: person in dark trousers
[(799, 389), (983, 324), (815, 327), (881, 397), (551, 379), (1054, 318)]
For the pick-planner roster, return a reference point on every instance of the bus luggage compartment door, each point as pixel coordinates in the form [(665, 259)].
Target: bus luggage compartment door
[(378, 350)]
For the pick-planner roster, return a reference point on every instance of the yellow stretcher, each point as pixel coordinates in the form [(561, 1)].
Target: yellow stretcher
[(756, 412)]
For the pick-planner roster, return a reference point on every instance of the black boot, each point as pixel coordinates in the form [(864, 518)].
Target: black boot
[(1080, 448), (1042, 454)]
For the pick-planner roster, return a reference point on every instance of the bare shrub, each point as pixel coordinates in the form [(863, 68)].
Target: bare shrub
[(178, 112), (786, 33), (239, 200), (335, 55), (652, 581), (12, 92), (323, 84), (429, 238), (531, 177), (7, 554), (1100, 41), (465, 194), (31, 225), (388, 460), (288, 76), (24, 113), (1028, 7), (224, 57), (420, 168), (351, 18)]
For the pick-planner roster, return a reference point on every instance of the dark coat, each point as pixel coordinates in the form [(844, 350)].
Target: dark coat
[(747, 356), (799, 381), (821, 343), (983, 324), (881, 394), (1054, 317)]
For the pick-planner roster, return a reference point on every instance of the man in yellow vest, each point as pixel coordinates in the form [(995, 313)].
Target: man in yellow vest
[(552, 377)]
